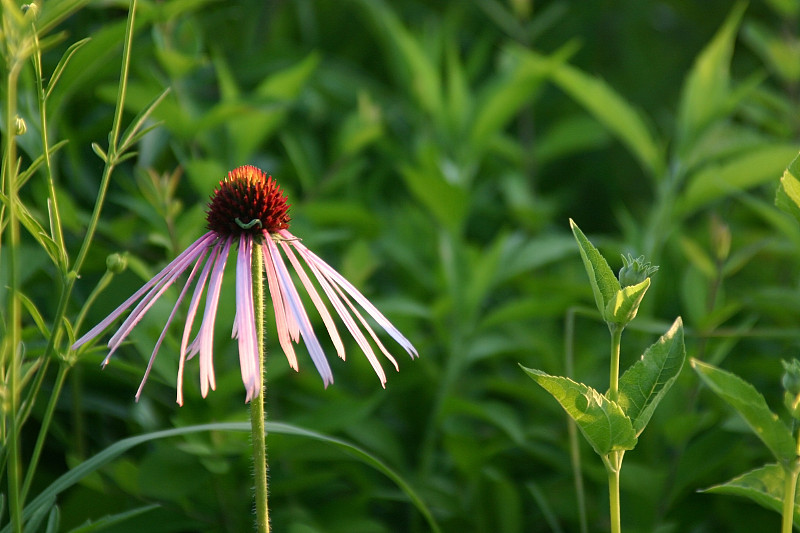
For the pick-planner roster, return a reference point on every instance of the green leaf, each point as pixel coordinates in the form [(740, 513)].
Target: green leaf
[(131, 133), (411, 60), (602, 422), (623, 307), (447, 202), (749, 403), (645, 383), (616, 114), (788, 196), (35, 314), (62, 64), (743, 171), (46, 499), (706, 92), (605, 284), (763, 485), (504, 96), (112, 520)]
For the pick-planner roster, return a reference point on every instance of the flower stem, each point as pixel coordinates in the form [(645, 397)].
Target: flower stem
[(613, 465), (257, 404), (613, 379), (613, 461)]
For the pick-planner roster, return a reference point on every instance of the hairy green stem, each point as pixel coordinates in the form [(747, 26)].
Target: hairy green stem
[(257, 404)]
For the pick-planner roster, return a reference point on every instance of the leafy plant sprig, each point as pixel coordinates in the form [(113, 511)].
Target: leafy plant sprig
[(612, 422), (774, 485)]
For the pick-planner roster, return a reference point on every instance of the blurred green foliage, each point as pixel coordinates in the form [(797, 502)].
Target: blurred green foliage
[(433, 152)]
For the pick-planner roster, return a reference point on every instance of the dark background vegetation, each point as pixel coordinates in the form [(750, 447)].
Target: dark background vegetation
[(433, 157)]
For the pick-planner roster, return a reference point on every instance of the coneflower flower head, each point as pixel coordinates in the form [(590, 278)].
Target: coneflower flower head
[(248, 209)]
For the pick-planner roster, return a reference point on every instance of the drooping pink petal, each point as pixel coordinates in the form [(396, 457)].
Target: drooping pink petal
[(190, 253), (169, 320), (190, 315), (147, 302), (353, 292), (282, 316), (245, 324), (318, 303), (206, 333), (296, 307), (350, 324)]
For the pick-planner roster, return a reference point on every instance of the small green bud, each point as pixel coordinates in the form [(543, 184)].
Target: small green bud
[(720, 238), (634, 271), (19, 125), (791, 376), (116, 263)]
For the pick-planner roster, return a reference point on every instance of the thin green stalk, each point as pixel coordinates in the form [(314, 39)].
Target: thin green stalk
[(257, 404), (613, 462), (55, 216), (48, 417), (789, 491), (613, 380), (572, 427), (112, 155), (13, 355)]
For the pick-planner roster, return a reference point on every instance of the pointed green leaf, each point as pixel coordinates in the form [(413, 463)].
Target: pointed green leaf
[(113, 519), (763, 485), (502, 98), (752, 406), (788, 196), (129, 135), (623, 307), (100, 153), (62, 64), (605, 285), (706, 90), (601, 421), (745, 170), (35, 314), (614, 112), (645, 383)]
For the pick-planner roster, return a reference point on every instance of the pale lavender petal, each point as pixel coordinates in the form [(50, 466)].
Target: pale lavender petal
[(296, 307), (245, 324), (191, 251), (206, 333), (169, 320), (333, 295), (318, 303), (281, 315), (190, 315), (354, 293), (147, 302)]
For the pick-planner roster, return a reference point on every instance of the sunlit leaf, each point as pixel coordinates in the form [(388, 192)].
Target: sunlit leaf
[(749, 403), (644, 384), (622, 308), (763, 485), (602, 422), (705, 94), (605, 284)]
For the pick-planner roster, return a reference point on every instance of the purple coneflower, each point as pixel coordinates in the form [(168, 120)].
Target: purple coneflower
[(249, 210)]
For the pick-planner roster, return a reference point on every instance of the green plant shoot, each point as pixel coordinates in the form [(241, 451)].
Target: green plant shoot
[(612, 422)]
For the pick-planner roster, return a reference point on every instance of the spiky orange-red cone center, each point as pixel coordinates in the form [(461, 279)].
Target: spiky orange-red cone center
[(247, 201)]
